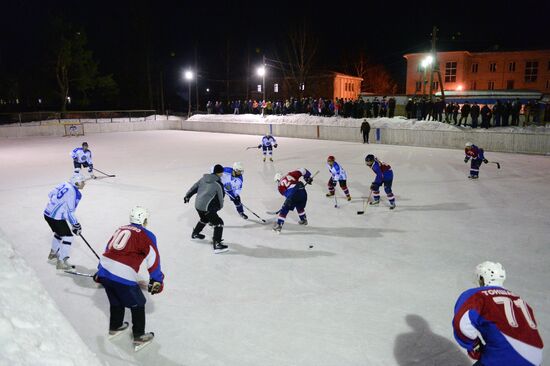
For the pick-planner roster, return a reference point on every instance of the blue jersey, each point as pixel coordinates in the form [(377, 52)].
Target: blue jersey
[(337, 172), (232, 184), (474, 152), (382, 170), (268, 140), (502, 322), (63, 202)]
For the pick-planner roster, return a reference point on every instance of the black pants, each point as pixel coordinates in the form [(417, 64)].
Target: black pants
[(123, 296), (366, 136), (213, 219), (59, 227)]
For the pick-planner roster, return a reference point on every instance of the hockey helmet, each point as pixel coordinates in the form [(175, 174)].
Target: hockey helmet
[(331, 158), (77, 180), (468, 145), (238, 166), (278, 177), (493, 274), (369, 159), (139, 215)]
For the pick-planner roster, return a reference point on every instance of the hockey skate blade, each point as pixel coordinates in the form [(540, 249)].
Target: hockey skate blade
[(138, 347), (118, 333)]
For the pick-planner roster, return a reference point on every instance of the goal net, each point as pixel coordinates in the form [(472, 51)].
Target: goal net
[(74, 129)]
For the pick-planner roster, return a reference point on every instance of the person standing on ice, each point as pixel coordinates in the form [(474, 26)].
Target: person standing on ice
[(384, 176), (232, 180), (267, 145), (61, 208), (337, 176), (210, 194), (82, 157), (495, 325), (294, 190), (118, 270), (476, 154), (365, 130)]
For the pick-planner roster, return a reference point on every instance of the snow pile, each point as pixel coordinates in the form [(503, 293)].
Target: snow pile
[(136, 118), (398, 122), (32, 330)]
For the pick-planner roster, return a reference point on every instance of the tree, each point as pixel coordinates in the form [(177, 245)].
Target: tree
[(75, 69), (376, 79)]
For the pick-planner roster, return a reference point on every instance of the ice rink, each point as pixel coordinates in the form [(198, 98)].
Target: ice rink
[(376, 289)]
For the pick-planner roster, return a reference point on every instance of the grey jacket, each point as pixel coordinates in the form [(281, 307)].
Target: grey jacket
[(209, 190)]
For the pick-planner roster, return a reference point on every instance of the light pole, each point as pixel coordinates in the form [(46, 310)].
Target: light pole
[(261, 72), (189, 76), (425, 63)]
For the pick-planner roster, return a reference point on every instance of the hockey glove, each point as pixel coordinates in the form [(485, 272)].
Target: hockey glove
[(155, 287), (259, 146), (475, 352), (309, 180), (96, 278), (77, 229), (334, 182), (466, 159), (485, 161), (186, 199)]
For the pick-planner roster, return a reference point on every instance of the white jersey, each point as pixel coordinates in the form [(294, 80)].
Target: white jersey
[(337, 172), (233, 185), (82, 156), (63, 202), (268, 140)]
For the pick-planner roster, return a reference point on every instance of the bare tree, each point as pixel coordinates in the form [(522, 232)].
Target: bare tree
[(376, 79), (300, 52)]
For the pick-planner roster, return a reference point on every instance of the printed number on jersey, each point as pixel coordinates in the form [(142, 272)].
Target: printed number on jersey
[(120, 239), (510, 313)]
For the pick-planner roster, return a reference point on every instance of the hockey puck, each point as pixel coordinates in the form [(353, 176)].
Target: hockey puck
[(311, 246)]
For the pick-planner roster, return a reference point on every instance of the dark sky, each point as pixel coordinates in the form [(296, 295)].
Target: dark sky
[(120, 33)]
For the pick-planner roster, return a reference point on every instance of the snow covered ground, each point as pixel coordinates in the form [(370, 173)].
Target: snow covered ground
[(398, 122), (377, 289)]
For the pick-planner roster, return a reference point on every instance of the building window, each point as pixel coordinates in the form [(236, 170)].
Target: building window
[(531, 70), (435, 85), (493, 67), (547, 84), (512, 66), (352, 87), (276, 88), (473, 85), (509, 84), (548, 65), (346, 86), (418, 86), (450, 72), (491, 85), (475, 67)]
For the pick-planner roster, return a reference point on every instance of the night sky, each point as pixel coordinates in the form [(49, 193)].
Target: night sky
[(122, 33)]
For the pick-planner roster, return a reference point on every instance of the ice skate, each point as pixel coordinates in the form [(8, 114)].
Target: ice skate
[(52, 255), (197, 236), (118, 331), (303, 222), (374, 203), (143, 340), (243, 215), (330, 194), (277, 228), (64, 264), (92, 176), (271, 159), (392, 206), (219, 247), (264, 159), (348, 197), (473, 177)]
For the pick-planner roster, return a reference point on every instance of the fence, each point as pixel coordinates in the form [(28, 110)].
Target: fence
[(46, 117)]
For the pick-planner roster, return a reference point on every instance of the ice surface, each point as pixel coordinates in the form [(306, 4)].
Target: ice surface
[(376, 289)]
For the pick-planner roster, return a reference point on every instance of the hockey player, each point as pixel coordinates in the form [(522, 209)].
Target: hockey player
[(232, 180), (82, 157), (338, 176), (294, 190), (61, 208), (476, 154), (118, 270), (384, 175), (210, 193), (267, 145), (495, 325)]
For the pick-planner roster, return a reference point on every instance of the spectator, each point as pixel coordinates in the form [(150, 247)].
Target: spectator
[(391, 107), (516, 108), (456, 108), (497, 112), (383, 107), (368, 108), (474, 112), (409, 109), (506, 111), (485, 116), (365, 129), (448, 112), (375, 107), (464, 113)]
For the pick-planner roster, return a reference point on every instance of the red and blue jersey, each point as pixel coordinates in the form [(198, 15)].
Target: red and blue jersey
[(382, 170), (129, 246), (474, 152), (289, 183), (501, 320)]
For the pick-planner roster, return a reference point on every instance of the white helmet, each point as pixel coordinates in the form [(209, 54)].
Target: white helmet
[(493, 274), (138, 215), (77, 179), (238, 166), (469, 144), (278, 177)]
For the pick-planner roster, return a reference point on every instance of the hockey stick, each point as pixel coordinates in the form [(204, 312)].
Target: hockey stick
[(497, 163), (108, 175), (365, 202), (335, 201), (252, 147), (92, 249), (142, 283), (253, 213)]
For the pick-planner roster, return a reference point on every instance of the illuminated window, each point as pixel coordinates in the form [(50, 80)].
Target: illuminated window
[(512, 66), (276, 88), (509, 84), (531, 70), (493, 67), (475, 67), (473, 85), (491, 85), (450, 72), (547, 84), (435, 85), (418, 86)]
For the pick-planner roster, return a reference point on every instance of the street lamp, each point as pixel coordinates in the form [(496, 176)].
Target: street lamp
[(189, 76), (261, 72), (427, 61)]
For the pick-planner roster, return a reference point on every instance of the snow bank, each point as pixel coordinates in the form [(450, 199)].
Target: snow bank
[(392, 123), (32, 329)]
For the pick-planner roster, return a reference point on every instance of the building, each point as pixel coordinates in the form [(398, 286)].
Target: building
[(464, 70)]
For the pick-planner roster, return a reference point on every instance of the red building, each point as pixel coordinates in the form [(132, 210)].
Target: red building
[(463, 70)]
